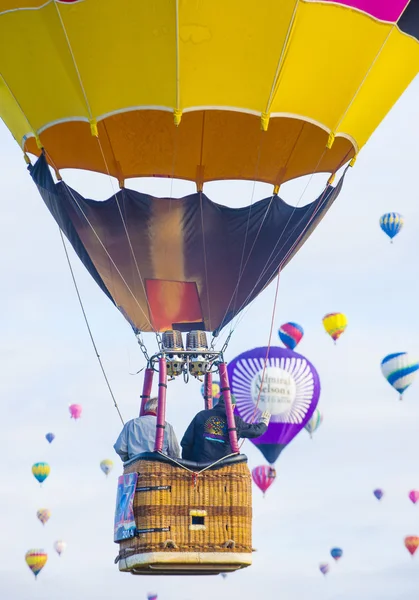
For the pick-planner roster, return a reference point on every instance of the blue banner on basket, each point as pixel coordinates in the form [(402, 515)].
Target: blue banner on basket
[(125, 527)]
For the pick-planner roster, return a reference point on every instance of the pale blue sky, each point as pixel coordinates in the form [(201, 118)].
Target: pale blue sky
[(323, 494)]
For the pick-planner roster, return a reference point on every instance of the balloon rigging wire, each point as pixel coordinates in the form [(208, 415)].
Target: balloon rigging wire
[(88, 327)]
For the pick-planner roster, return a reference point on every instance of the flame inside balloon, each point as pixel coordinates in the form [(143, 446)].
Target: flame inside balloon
[(289, 391)]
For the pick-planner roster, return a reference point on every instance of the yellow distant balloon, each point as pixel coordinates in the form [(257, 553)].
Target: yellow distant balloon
[(41, 471), (106, 466), (335, 324), (36, 559)]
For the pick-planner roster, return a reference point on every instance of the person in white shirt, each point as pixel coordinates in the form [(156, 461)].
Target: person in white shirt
[(138, 435)]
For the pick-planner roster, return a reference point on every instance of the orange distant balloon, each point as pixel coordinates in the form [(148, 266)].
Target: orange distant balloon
[(411, 542)]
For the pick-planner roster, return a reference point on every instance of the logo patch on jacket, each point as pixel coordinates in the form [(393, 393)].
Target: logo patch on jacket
[(215, 429)]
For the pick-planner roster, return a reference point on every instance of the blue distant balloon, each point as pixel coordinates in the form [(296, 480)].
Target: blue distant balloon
[(378, 494), (391, 223), (290, 334), (336, 553), (50, 437)]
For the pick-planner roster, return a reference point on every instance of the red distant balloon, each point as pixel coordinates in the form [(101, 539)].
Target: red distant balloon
[(414, 496), (264, 477), (411, 542)]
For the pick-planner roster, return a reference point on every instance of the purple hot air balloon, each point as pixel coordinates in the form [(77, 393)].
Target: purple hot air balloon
[(378, 493), (324, 568), (290, 392)]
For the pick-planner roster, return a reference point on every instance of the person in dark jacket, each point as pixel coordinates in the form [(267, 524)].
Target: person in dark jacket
[(206, 439)]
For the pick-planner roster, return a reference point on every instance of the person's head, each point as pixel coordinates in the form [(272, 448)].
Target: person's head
[(151, 406)]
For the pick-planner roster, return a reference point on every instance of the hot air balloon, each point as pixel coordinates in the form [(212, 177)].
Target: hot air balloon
[(235, 120), (36, 559), (378, 493), (414, 496), (411, 542), (75, 411), (336, 553), (41, 471), (43, 515), (50, 437), (314, 423), (223, 575), (216, 393), (151, 596), (400, 370), (290, 391), (324, 568), (59, 547), (335, 324), (290, 334), (264, 477), (106, 466), (391, 223)]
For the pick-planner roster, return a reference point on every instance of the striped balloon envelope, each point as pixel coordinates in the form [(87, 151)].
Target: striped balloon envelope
[(315, 422), (411, 542), (40, 471), (400, 370), (36, 560), (264, 476), (391, 223), (324, 568), (43, 515), (335, 324), (290, 334)]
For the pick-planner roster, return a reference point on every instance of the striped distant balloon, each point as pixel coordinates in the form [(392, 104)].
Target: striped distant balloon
[(324, 568), (290, 334), (315, 422), (391, 223), (412, 543), (43, 515), (335, 324), (36, 559), (399, 370), (264, 477)]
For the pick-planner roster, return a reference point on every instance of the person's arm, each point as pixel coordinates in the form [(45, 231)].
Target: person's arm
[(121, 445), (188, 441), (252, 430), (173, 449)]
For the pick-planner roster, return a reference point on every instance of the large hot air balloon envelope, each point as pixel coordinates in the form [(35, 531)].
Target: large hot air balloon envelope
[(290, 334), (414, 496), (314, 423), (400, 370), (75, 411), (335, 324), (324, 568), (391, 224), (43, 515), (50, 437), (106, 466), (411, 542), (263, 477), (378, 493), (41, 471), (200, 91), (60, 546), (289, 391), (36, 560)]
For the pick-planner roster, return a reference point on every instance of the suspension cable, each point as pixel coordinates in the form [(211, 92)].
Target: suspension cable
[(88, 327)]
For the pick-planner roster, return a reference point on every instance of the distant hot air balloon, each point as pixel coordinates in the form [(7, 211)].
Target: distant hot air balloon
[(414, 496), (106, 466), (290, 334), (324, 568), (75, 411), (264, 477), (41, 471), (36, 559), (223, 575), (59, 547), (151, 596), (43, 515), (391, 223), (335, 324), (289, 391), (378, 493), (50, 437), (411, 542), (336, 553), (315, 422), (216, 393), (400, 370)]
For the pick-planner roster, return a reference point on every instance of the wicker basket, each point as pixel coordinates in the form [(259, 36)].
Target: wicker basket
[(200, 524)]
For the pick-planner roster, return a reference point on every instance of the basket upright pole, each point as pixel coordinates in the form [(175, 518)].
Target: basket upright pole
[(208, 390), (231, 423), (148, 381), (161, 407)]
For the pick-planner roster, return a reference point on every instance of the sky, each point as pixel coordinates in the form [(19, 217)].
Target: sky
[(323, 493)]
